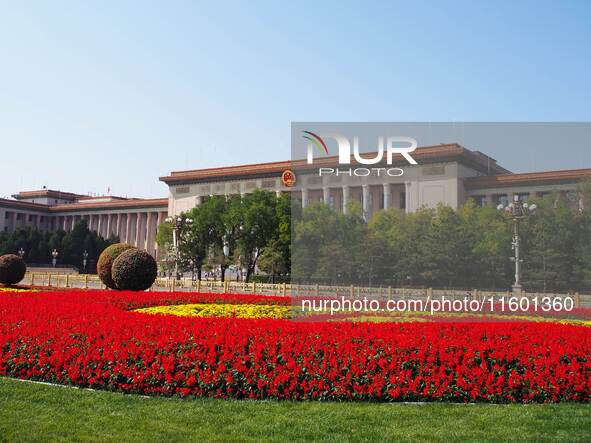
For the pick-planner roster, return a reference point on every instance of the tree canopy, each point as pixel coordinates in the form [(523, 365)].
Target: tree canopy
[(38, 245), (469, 247)]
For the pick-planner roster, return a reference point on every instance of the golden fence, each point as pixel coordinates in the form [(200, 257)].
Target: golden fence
[(86, 281)]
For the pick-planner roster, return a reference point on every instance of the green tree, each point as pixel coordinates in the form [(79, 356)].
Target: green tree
[(549, 242), (254, 219), (276, 258)]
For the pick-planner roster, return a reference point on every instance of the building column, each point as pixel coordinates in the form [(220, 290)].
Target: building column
[(127, 227), (304, 197), (138, 230), (407, 197), (150, 236), (387, 196), (326, 195), (161, 217), (99, 224), (278, 192), (345, 198), (365, 189), (118, 225), (121, 231), (144, 231), (109, 227)]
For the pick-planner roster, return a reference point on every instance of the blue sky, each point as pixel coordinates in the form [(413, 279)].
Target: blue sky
[(119, 93)]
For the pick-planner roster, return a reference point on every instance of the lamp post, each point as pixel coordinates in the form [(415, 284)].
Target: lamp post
[(54, 255), (21, 253), (517, 210), (177, 225), (84, 259)]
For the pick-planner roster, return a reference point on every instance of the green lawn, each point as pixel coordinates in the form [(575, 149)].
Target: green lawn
[(33, 412)]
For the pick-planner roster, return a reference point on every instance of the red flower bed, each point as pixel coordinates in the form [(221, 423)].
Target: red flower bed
[(88, 339)]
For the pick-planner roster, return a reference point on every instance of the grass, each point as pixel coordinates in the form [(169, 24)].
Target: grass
[(35, 412)]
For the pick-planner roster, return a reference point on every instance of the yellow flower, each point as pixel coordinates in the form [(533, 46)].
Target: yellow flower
[(17, 290), (221, 310)]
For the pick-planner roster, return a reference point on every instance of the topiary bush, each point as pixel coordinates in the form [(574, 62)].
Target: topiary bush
[(12, 269), (105, 262), (134, 270)]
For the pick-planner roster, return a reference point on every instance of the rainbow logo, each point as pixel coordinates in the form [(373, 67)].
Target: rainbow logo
[(316, 140)]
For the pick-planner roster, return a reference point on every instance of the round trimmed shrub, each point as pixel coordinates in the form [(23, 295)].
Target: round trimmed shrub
[(134, 270), (105, 262), (12, 269)]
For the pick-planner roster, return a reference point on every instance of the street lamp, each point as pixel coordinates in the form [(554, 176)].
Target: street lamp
[(84, 259), (517, 210), (21, 253), (177, 224), (54, 255)]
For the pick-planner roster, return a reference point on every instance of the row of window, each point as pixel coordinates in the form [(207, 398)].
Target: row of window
[(481, 200), (371, 203), (29, 217)]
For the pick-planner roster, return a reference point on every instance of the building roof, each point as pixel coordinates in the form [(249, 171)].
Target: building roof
[(428, 154), (527, 178), (47, 193), (101, 197), (116, 204), (136, 203), (25, 206)]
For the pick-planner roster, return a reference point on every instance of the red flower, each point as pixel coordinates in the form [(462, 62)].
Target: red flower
[(90, 338)]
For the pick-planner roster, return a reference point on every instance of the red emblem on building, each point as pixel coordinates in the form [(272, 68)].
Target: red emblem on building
[(288, 178)]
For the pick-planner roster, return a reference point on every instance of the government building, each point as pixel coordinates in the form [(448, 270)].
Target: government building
[(447, 173)]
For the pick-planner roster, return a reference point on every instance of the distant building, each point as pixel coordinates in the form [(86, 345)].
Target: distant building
[(449, 174), (135, 221)]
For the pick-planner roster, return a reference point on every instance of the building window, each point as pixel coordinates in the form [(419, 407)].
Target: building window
[(522, 196), (41, 219), (18, 216), (403, 200), (479, 200), (30, 217), (501, 199), (6, 216)]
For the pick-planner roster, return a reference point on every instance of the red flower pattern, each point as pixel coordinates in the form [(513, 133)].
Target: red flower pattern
[(91, 339)]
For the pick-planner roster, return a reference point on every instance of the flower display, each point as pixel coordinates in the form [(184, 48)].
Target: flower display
[(8, 289), (221, 310), (94, 339)]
